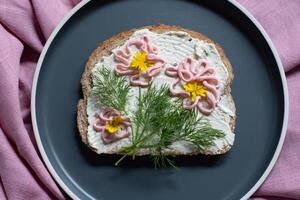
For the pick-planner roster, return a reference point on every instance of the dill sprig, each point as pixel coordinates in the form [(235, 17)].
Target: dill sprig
[(110, 90), (160, 121), (161, 160)]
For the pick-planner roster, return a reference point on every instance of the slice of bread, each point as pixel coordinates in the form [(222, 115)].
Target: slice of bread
[(105, 49)]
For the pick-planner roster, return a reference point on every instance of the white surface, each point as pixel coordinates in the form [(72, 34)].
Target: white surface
[(174, 47), (39, 142)]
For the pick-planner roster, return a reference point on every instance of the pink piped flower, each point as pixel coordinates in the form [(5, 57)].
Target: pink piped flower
[(141, 66), (112, 125), (196, 83)]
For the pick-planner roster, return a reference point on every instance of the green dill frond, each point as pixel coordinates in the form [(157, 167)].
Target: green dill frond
[(110, 90), (160, 121), (204, 137), (163, 161)]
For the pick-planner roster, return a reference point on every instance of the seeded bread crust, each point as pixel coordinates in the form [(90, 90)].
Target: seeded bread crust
[(104, 49)]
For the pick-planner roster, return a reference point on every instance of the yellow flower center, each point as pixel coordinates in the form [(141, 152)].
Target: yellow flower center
[(114, 124), (195, 89), (140, 61)]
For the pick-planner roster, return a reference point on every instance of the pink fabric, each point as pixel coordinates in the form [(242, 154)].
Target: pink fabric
[(25, 26), (281, 20)]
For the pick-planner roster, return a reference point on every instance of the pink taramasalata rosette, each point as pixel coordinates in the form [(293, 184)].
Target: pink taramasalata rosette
[(151, 63), (196, 83), (112, 125)]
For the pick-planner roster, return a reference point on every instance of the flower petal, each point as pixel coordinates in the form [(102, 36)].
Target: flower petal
[(175, 92), (212, 80), (107, 113), (121, 69), (184, 70), (211, 88), (98, 126), (155, 58), (154, 70), (188, 63), (151, 48), (210, 99), (136, 80), (171, 71), (123, 54), (120, 57), (188, 104), (109, 138), (203, 110), (140, 44)]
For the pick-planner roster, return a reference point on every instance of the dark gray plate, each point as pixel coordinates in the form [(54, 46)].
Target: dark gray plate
[(258, 90)]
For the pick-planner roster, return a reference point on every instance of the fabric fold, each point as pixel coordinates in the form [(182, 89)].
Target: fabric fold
[(25, 26)]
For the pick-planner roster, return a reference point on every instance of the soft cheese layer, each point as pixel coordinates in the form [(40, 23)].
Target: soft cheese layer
[(173, 47)]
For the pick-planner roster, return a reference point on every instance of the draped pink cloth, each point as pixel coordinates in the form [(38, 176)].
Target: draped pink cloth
[(281, 20), (25, 25), (24, 29)]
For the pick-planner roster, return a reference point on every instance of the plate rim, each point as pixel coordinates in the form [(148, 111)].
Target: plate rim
[(78, 7)]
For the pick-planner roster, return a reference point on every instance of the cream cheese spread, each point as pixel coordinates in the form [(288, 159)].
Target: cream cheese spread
[(173, 47)]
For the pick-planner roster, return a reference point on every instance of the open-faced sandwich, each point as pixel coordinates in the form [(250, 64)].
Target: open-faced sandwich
[(159, 91)]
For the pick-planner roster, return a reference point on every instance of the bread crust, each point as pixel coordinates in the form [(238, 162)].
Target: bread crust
[(105, 48)]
